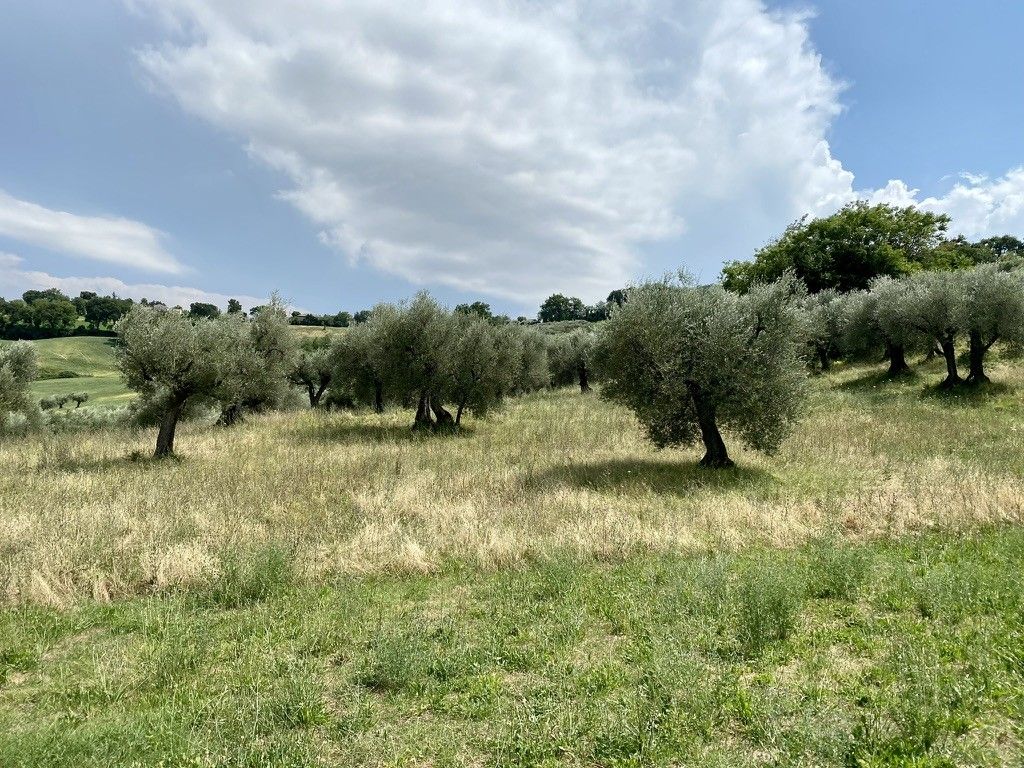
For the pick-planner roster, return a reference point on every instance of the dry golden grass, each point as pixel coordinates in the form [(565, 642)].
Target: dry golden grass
[(343, 493)]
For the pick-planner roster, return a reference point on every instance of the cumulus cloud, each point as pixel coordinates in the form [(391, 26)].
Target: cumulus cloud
[(15, 279), (102, 238), (978, 206), (508, 147)]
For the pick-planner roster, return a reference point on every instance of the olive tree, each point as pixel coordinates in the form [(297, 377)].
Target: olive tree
[(689, 361), (822, 315), (991, 309), (931, 303), (358, 358), (528, 351), (256, 375), (313, 368), (417, 345), (571, 358), (481, 365), (175, 361), (19, 367), (879, 321)]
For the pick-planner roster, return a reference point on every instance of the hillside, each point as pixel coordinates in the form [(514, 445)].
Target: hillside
[(92, 359)]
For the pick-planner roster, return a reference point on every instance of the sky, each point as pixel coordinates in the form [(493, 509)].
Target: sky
[(503, 150)]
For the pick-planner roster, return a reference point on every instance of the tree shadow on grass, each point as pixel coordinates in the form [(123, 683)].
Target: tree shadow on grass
[(678, 478), (359, 431), (877, 380), (966, 395)]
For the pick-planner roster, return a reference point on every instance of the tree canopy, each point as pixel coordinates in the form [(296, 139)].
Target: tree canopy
[(846, 250), (689, 360), (18, 369)]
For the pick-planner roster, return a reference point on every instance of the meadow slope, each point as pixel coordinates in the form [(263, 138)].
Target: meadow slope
[(89, 515)]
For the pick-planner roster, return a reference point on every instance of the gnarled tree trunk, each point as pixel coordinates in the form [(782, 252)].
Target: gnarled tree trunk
[(315, 394), (443, 416), (824, 359), (715, 454), (897, 360), (423, 418), (584, 378), (230, 415), (978, 348), (459, 411), (168, 426), (952, 374), (378, 396)]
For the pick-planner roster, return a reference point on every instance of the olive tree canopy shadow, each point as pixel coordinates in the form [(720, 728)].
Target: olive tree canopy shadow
[(875, 380), (355, 431), (662, 476), (966, 395)]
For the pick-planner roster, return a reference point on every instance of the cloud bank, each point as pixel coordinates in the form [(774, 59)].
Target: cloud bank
[(979, 206), (100, 238), (506, 146), (15, 279)]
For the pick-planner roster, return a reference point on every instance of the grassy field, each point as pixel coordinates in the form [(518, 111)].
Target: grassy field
[(92, 358), (544, 589)]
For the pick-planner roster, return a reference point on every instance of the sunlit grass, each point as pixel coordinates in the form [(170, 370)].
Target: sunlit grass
[(90, 516)]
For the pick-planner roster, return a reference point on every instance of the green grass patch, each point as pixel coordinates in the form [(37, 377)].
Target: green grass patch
[(904, 653)]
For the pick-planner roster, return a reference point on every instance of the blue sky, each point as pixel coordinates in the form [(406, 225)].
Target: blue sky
[(186, 150)]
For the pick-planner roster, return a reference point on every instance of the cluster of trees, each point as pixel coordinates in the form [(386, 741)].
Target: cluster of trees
[(849, 249), (560, 308), (444, 364), (929, 312), (59, 401), (177, 362), (40, 314), (421, 355)]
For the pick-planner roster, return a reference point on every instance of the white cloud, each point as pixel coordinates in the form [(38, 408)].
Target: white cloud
[(978, 206), (509, 146), (15, 280), (102, 238)]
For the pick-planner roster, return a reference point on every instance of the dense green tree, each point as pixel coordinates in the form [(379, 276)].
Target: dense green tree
[(31, 297), (478, 308), (558, 307), (688, 361), (234, 307), (200, 309), (54, 315), (846, 250), (617, 297), (18, 369), (361, 316), (1004, 247)]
